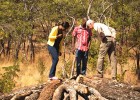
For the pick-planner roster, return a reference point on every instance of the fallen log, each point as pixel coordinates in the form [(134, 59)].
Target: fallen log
[(33, 96), (48, 90), (83, 89), (59, 92), (135, 88), (92, 82), (75, 89), (22, 93), (21, 96), (110, 89)]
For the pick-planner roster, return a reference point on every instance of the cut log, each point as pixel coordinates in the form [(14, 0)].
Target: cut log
[(92, 82), (33, 96), (81, 88), (135, 88), (96, 94), (87, 89), (110, 89), (47, 92), (22, 96), (59, 92)]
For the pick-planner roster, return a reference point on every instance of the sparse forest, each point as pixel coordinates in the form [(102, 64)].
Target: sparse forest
[(25, 26)]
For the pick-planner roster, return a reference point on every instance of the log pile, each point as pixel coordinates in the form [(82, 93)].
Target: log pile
[(83, 88)]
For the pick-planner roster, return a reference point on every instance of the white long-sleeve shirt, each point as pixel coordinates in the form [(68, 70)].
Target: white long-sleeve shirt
[(108, 31)]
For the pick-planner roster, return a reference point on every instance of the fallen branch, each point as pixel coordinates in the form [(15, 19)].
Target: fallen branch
[(136, 88), (21, 96), (59, 92), (47, 92)]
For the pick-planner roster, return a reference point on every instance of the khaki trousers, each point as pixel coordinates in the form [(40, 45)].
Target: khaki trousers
[(107, 46)]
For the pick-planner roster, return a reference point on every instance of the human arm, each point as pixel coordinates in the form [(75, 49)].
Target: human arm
[(73, 44), (100, 32), (53, 33), (60, 47)]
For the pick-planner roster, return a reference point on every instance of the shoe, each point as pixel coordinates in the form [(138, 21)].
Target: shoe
[(114, 79), (74, 77), (53, 78)]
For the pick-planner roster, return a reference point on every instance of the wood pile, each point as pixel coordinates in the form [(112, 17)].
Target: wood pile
[(81, 88)]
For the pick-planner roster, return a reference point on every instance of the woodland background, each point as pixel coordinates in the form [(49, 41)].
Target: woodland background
[(24, 30)]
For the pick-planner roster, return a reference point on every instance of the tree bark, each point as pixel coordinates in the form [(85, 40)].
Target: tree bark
[(59, 92), (2, 48), (17, 50), (138, 63), (32, 52), (47, 92), (110, 89), (8, 46), (21, 96)]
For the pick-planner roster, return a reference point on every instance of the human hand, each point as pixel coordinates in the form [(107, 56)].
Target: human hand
[(114, 41), (73, 51), (60, 35), (60, 53)]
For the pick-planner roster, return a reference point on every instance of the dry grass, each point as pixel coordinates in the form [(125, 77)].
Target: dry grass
[(29, 72)]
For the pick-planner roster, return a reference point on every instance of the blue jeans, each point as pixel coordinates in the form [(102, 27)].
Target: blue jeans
[(55, 58), (81, 56)]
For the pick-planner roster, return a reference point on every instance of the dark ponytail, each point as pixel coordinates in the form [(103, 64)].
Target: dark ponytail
[(65, 25)]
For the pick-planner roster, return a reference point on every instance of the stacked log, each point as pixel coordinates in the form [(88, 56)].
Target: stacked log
[(83, 88)]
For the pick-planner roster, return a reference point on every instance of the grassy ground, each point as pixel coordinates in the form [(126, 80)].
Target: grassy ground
[(37, 72)]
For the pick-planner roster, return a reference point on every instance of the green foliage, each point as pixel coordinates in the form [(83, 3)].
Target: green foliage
[(93, 54), (7, 82), (122, 56)]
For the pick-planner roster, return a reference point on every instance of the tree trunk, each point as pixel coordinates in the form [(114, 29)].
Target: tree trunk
[(31, 46), (138, 63), (8, 47), (59, 92), (2, 48), (47, 92), (17, 50)]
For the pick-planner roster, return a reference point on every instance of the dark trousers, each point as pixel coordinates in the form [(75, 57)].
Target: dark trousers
[(81, 56), (55, 57)]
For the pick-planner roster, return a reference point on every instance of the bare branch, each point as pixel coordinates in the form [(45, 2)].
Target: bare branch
[(107, 8), (109, 16), (89, 7), (73, 22)]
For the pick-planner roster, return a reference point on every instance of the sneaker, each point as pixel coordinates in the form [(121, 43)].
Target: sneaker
[(114, 79), (53, 78)]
